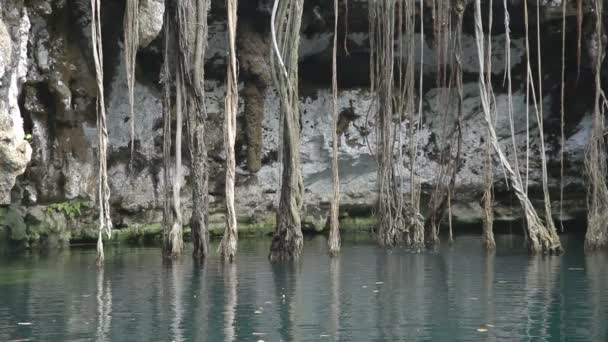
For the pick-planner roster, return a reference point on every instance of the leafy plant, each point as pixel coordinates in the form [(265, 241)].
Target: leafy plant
[(71, 209)]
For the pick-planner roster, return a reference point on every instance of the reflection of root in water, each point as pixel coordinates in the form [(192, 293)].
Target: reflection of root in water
[(541, 280), (178, 311), (231, 281), (597, 268), (104, 307), (490, 294), (334, 278)]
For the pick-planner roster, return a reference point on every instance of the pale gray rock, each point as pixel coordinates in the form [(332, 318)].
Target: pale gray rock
[(151, 13)]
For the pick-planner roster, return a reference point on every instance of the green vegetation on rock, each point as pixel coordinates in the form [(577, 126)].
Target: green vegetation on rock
[(71, 209)]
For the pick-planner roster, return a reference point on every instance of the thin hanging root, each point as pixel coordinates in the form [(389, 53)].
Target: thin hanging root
[(579, 36), (561, 126), (382, 25), (488, 195), (398, 221), (105, 222), (450, 129), (459, 10), (131, 40), (228, 244), (334, 229), (345, 28), (416, 236), (510, 88), (541, 241)]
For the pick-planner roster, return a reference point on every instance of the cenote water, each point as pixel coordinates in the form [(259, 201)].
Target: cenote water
[(367, 294)]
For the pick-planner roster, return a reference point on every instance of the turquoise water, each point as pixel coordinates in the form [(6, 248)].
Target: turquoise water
[(367, 294)]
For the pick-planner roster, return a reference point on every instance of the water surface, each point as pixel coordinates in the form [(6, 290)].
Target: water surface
[(367, 294)]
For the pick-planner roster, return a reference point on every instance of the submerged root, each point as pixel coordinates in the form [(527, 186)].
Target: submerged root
[(408, 231), (286, 245), (100, 255), (200, 237), (228, 247), (176, 240)]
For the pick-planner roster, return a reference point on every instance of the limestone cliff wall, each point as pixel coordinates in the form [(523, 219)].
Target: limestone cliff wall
[(47, 96)]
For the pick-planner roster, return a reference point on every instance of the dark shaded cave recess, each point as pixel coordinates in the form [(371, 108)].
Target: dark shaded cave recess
[(353, 51), (353, 65)]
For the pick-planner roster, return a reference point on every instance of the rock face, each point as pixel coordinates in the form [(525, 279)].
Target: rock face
[(48, 91), (6, 49), (151, 14), (15, 152)]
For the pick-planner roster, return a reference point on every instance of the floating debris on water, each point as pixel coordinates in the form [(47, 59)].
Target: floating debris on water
[(376, 291), (490, 325), (323, 335), (257, 312), (379, 282), (258, 334), (482, 329), (364, 286), (24, 323), (474, 298)]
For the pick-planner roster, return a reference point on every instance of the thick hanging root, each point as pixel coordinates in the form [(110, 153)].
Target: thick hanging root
[(185, 45), (174, 245), (287, 17), (228, 244)]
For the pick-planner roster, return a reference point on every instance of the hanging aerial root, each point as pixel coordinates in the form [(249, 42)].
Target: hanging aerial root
[(105, 222), (185, 44), (397, 220), (334, 229), (579, 36), (175, 244), (390, 216), (131, 40), (228, 245), (595, 157), (447, 72), (287, 17), (562, 140), (541, 240), (166, 79)]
